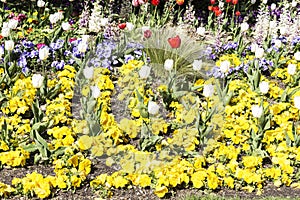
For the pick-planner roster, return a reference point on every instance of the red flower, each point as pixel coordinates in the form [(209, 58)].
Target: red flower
[(218, 12), (147, 33), (122, 25), (237, 13), (210, 8), (216, 8), (155, 2), (228, 1), (40, 45), (72, 39), (180, 2), (175, 42), (235, 2), (212, 1)]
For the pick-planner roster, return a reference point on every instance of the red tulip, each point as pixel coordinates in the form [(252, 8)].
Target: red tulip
[(235, 2), (215, 8), (40, 45), (147, 33), (212, 1), (228, 1), (72, 39), (210, 8), (175, 42), (237, 13), (155, 2), (218, 12), (180, 2), (122, 25)]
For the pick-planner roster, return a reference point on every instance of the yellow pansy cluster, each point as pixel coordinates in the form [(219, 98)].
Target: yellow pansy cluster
[(5, 190), (14, 158), (20, 97)]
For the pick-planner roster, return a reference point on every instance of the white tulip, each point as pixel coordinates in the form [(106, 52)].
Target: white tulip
[(95, 91), (253, 1), (153, 108), (54, 18), (88, 72), (197, 65), (66, 26), (44, 53), (41, 3), (82, 47), (273, 6), (244, 26), (85, 38), (277, 43), (60, 15), (9, 45), (294, 3), (264, 87), (13, 23), (297, 102), (253, 47), (225, 66), (208, 90), (103, 21), (273, 24), (283, 30), (129, 26), (257, 111), (5, 32), (144, 71), (169, 64), (291, 69), (265, 1), (259, 53), (37, 80), (297, 56), (200, 31)]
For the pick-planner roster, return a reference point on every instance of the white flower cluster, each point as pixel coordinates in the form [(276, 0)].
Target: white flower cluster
[(8, 26), (261, 29), (54, 18), (97, 21)]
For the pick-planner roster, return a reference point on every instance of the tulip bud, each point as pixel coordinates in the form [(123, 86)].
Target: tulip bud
[(297, 102), (257, 111), (82, 47), (291, 69), (88, 72), (44, 53), (9, 45), (153, 108), (41, 3), (144, 72), (175, 42), (66, 26), (197, 65), (225, 66), (259, 53), (169, 64), (297, 56), (208, 90), (95, 91), (37, 80), (264, 87), (5, 32)]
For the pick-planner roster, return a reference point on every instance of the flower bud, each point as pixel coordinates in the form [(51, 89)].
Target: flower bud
[(9, 45), (44, 53), (169, 64), (37, 80), (257, 111), (144, 72), (153, 108)]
